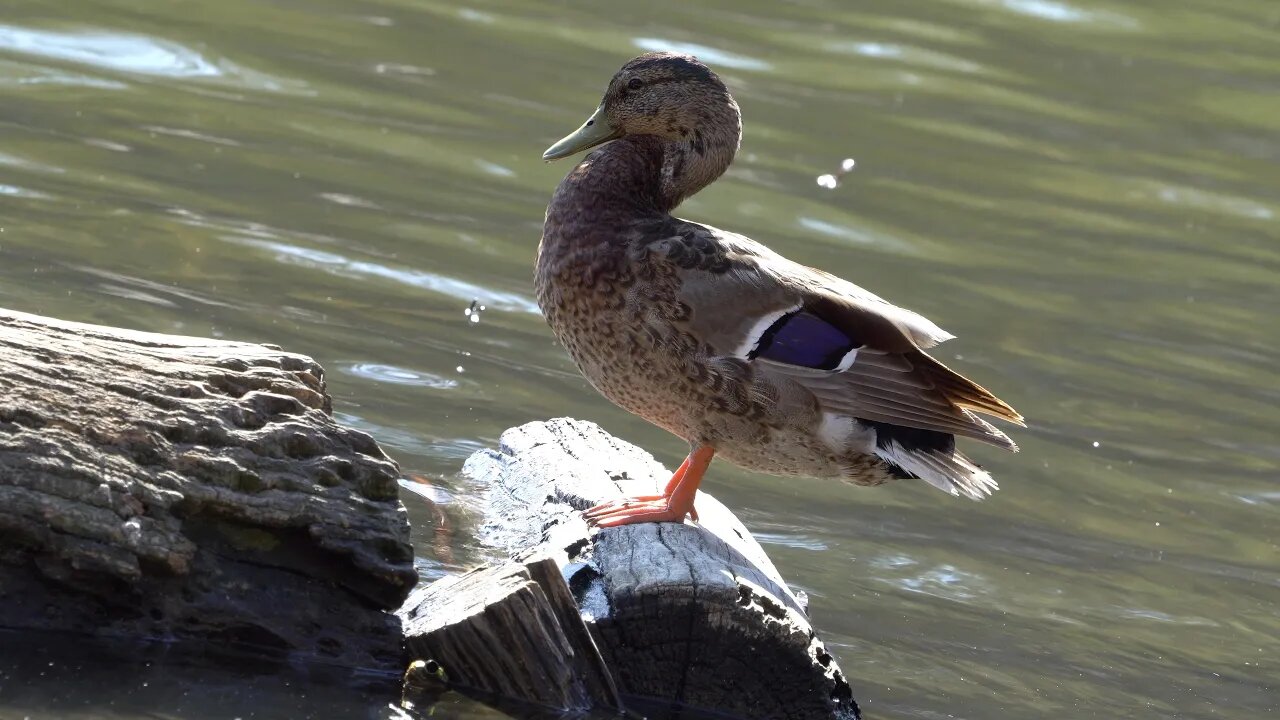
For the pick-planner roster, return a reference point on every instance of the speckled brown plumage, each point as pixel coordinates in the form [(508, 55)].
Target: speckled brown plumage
[(670, 319)]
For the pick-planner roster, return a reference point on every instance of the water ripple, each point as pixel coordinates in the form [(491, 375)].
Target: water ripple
[(1047, 10), (1063, 12), (791, 540), (706, 54), (123, 52), (859, 236), (908, 54), (399, 376), (22, 74), (339, 264), (149, 291), (943, 581), (15, 191), (446, 448), (190, 135), (1204, 200), (126, 53)]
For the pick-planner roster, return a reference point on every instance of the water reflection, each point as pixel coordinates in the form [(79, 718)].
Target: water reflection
[(128, 53), (15, 191), (124, 52), (907, 54), (399, 376), (26, 75), (707, 54), (1083, 190), (1047, 10), (860, 236), (338, 264)]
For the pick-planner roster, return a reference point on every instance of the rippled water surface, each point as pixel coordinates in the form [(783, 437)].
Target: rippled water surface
[(1085, 193)]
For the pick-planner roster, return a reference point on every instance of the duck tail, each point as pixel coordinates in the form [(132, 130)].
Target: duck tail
[(944, 468), (966, 393)]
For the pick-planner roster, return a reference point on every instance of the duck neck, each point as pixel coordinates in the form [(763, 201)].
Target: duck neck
[(699, 156), (646, 173)]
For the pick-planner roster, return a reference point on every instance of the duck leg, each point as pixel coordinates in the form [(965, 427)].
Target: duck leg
[(675, 502)]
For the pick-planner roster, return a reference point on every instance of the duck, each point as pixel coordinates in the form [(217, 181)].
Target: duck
[(748, 356)]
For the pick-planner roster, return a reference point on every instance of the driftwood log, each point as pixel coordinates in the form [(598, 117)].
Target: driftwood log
[(511, 630), (156, 486), (683, 615)]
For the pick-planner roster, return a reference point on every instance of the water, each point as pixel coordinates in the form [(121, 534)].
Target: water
[(1086, 193)]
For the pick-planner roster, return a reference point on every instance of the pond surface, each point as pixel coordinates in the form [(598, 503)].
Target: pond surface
[(1084, 192)]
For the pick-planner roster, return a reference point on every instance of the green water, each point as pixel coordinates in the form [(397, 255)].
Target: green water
[(1085, 193)]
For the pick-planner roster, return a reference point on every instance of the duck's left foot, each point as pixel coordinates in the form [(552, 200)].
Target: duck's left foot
[(675, 502), (605, 508), (644, 509)]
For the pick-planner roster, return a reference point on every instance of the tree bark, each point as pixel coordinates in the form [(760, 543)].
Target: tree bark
[(688, 614), (157, 486)]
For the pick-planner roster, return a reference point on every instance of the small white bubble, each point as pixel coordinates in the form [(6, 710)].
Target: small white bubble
[(475, 318), (132, 529), (828, 181), (1095, 443), (460, 369), (848, 164)]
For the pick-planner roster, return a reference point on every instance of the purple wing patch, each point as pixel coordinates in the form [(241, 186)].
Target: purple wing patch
[(804, 339)]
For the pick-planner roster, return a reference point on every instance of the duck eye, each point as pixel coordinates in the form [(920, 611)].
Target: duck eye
[(635, 84)]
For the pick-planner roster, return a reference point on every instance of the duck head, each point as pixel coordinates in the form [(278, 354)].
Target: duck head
[(672, 96), (678, 101)]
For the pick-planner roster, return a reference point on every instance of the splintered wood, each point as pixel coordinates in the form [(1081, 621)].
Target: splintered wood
[(512, 631)]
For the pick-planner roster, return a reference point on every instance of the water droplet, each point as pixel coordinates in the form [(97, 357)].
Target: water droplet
[(1095, 443), (473, 311), (831, 181)]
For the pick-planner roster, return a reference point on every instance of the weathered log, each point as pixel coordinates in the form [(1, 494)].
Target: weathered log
[(693, 615), (510, 630), (156, 486)]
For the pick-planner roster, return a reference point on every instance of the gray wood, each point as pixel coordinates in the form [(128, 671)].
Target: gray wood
[(165, 486), (694, 614), (590, 665), (510, 630)]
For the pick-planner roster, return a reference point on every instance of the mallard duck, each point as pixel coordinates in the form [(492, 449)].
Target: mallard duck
[(772, 365)]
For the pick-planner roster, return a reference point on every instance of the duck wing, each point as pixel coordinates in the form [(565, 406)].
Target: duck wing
[(856, 354)]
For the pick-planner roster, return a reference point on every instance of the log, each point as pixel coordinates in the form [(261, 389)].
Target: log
[(510, 630), (688, 615), (157, 486)]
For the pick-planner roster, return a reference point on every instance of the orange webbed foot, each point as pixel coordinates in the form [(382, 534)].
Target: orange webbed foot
[(608, 507), (673, 505), (631, 511)]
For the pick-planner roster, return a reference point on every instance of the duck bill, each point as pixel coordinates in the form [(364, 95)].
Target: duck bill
[(594, 131)]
